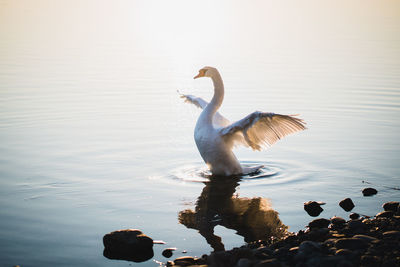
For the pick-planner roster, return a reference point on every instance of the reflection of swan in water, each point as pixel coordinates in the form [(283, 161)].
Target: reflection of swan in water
[(252, 218), (215, 136)]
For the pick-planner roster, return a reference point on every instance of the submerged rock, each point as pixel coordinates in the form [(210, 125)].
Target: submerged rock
[(128, 244), (313, 208), (346, 204), (369, 191)]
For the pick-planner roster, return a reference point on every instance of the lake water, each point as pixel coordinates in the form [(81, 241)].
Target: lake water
[(94, 137)]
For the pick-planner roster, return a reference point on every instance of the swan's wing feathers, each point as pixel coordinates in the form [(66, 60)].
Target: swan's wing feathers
[(218, 119), (263, 129), (197, 101)]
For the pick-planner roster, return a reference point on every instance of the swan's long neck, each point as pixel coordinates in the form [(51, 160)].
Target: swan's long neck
[(218, 97)]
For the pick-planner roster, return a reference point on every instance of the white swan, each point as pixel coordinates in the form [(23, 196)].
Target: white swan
[(215, 136)]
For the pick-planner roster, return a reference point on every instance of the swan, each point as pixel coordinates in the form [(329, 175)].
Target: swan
[(215, 136)]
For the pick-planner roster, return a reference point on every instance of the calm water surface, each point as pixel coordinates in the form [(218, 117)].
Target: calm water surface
[(94, 138)]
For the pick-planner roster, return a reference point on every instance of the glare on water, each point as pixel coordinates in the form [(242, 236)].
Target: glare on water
[(94, 137)]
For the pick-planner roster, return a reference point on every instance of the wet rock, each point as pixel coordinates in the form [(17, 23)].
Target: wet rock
[(356, 226), (168, 252), (368, 260), (319, 223), (346, 204), (318, 234), (313, 208), (365, 237), (185, 261), (338, 220), (354, 216), (324, 261), (269, 263), (128, 244), (307, 249), (239, 253), (351, 243), (391, 234), (345, 253), (391, 206), (369, 191), (243, 262), (385, 214)]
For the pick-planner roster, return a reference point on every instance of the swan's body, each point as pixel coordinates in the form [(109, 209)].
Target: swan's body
[(215, 136)]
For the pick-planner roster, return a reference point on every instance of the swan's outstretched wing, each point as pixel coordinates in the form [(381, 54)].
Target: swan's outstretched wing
[(197, 101), (218, 119), (261, 129)]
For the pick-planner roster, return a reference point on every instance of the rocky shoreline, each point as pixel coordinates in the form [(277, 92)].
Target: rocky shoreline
[(361, 241)]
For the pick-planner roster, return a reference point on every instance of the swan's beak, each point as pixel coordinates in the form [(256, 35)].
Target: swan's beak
[(202, 73), (198, 76)]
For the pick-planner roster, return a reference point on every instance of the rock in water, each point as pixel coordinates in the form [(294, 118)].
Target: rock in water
[(168, 252), (391, 206), (354, 216), (346, 204), (369, 191), (313, 208), (129, 244)]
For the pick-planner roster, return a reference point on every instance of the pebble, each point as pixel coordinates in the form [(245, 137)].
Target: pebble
[(313, 208), (369, 191), (391, 206), (346, 204)]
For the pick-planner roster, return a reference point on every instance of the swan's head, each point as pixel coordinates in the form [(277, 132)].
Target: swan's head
[(207, 72)]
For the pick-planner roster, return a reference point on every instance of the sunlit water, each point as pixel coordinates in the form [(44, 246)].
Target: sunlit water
[(94, 137)]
